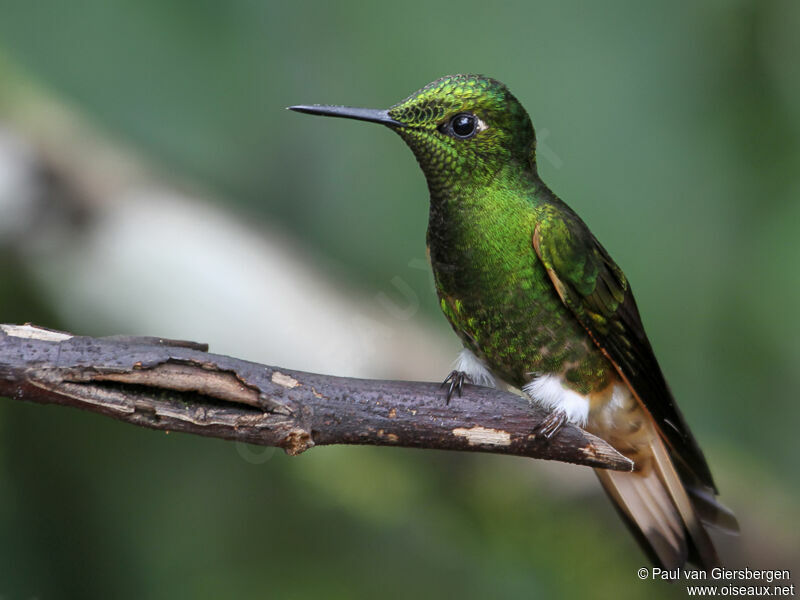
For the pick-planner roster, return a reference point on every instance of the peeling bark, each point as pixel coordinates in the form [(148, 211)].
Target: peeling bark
[(179, 386)]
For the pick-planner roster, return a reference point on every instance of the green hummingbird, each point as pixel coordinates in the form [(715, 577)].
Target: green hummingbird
[(540, 306)]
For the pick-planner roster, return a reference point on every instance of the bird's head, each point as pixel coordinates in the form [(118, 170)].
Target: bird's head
[(461, 128)]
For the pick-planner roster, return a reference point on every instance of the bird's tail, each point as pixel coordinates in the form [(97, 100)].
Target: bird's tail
[(666, 517)]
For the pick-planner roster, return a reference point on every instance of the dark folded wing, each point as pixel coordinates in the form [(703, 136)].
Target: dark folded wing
[(596, 290)]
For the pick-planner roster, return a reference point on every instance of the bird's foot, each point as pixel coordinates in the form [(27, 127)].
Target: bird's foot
[(454, 383), (551, 425)]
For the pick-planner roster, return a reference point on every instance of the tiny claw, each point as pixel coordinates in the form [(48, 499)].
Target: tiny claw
[(551, 424), (455, 383)]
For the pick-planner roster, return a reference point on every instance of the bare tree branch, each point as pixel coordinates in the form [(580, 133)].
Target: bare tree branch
[(179, 386)]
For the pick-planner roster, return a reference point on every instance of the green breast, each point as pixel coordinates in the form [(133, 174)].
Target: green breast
[(497, 295)]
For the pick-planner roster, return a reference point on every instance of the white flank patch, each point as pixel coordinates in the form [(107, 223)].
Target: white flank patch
[(620, 397), (621, 400), (483, 436), (475, 368), (548, 391)]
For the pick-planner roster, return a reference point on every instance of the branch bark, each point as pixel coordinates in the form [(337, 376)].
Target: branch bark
[(179, 386)]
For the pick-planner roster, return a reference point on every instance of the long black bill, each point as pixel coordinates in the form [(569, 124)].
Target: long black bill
[(348, 112)]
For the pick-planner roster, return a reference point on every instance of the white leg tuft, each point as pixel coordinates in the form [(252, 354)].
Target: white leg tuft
[(475, 368), (549, 391)]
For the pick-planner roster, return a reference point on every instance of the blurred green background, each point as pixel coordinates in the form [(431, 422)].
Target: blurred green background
[(672, 128)]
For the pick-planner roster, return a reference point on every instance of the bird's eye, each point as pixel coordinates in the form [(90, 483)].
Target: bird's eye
[(464, 125)]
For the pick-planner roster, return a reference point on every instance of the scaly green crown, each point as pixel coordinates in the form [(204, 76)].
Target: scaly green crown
[(434, 117)]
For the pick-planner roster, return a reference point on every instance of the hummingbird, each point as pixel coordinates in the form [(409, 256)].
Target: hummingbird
[(541, 307)]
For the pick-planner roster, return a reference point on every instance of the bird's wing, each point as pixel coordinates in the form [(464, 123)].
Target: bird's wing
[(595, 289)]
